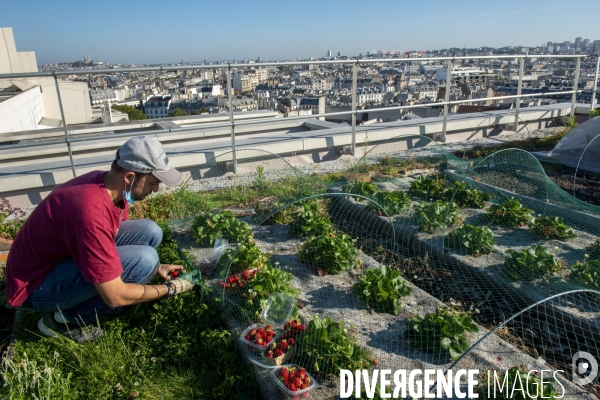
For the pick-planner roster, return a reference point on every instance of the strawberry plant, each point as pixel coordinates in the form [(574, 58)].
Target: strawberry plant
[(383, 289), (551, 228), (426, 188), (366, 189), (266, 281), (522, 385), (469, 239), (240, 280), (310, 220), (594, 249), (465, 196), (442, 331), (586, 273), (393, 203), (208, 227), (246, 256), (436, 215), (332, 252), (511, 213), (533, 262), (328, 346)]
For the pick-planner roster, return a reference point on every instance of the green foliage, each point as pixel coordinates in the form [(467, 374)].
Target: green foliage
[(168, 251), (586, 273), (551, 228), (157, 349), (132, 112), (426, 188), (328, 346), (517, 384), (594, 249), (260, 182), (383, 289), (246, 256), (42, 379), (393, 203), (442, 331), (310, 220), (332, 252), (158, 208), (469, 239), (511, 213), (436, 215), (253, 297), (11, 219), (532, 262), (178, 112), (366, 189), (466, 197), (595, 113), (208, 227)]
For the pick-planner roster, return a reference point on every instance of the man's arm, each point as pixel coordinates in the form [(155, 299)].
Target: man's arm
[(117, 293)]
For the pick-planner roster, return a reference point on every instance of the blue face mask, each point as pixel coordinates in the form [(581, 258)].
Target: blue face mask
[(127, 195)]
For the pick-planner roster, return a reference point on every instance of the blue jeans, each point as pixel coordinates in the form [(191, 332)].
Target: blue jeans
[(65, 290)]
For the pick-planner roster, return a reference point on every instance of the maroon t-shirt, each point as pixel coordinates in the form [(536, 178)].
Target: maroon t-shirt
[(77, 220)]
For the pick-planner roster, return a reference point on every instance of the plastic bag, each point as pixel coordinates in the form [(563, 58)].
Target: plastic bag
[(209, 264)]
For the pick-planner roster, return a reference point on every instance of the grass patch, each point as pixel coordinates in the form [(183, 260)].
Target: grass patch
[(176, 348)]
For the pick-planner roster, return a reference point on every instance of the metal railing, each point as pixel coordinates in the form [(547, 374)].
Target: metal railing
[(353, 113)]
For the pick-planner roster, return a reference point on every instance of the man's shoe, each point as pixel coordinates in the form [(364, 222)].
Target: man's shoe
[(79, 334)]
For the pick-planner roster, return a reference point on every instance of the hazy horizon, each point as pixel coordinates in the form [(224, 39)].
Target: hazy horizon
[(149, 33)]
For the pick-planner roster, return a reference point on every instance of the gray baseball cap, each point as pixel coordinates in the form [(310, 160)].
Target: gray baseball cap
[(145, 155)]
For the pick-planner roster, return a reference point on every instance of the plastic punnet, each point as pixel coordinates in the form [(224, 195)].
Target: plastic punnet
[(278, 309), (287, 394)]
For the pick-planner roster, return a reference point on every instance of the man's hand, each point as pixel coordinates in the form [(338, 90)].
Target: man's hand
[(187, 281), (165, 269)]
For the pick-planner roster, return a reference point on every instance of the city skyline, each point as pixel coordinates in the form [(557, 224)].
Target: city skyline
[(132, 33)]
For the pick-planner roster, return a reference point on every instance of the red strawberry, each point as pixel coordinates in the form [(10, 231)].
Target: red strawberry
[(297, 382), (269, 328), (283, 346), (292, 387), (269, 354), (307, 380), (302, 373), (230, 280), (284, 372), (252, 332), (247, 337), (278, 353), (291, 341), (259, 341)]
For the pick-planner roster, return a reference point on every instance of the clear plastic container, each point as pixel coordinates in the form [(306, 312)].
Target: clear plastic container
[(278, 309), (287, 394), (254, 350)]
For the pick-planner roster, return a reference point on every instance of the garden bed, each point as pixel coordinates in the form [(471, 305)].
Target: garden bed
[(382, 334)]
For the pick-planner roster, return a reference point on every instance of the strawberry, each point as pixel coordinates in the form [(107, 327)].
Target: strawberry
[(278, 353), (269, 328), (292, 387), (375, 362), (252, 332), (284, 372), (302, 373), (283, 347), (269, 354), (230, 280), (307, 380), (247, 337), (297, 381), (291, 341), (259, 341)]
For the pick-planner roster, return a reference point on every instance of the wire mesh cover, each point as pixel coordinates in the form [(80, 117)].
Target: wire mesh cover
[(578, 148), (406, 269)]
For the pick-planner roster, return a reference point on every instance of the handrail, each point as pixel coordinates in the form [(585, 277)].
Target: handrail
[(354, 112)]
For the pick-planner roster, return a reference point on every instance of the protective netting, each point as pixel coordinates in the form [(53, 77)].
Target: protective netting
[(580, 148), (410, 259)]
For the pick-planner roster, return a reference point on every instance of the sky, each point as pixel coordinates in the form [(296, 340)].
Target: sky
[(144, 32)]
